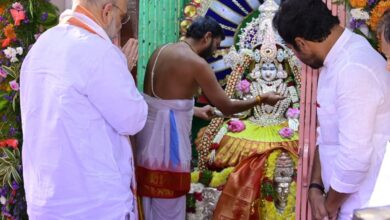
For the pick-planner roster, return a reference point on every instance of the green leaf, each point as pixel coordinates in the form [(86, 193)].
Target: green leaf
[(6, 177), (31, 8), (9, 181), (9, 70), (52, 19), (16, 175), (3, 103), (10, 155), (17, 153), (5, 161), (14, 101)]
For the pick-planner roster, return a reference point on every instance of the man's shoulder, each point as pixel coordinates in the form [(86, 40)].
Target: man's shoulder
[(72, 44), (359, 53), (78, 38)]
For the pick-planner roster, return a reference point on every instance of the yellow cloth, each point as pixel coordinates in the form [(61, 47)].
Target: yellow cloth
[(255, 139)]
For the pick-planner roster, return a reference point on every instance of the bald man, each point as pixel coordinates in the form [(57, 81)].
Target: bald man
[(79, 103)]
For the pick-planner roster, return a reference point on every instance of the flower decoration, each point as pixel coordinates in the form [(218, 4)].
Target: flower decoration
[(19, 23), (14, 85), (365, 16), (293, 113), (236, 126), (377, 12), (3, 73), (243, 86), (358, 3), (286, 132), (17, 12)]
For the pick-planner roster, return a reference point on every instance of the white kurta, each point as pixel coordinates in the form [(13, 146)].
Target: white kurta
[(78, 102), (354, 116)]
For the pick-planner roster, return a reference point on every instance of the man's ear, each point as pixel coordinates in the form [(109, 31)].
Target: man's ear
[(300, 43), (208, 36), (107, 9)]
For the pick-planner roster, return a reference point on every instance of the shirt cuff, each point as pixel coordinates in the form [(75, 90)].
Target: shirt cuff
[(343, 187)]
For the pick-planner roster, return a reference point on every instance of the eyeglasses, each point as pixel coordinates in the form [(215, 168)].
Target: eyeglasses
[(127, 15)]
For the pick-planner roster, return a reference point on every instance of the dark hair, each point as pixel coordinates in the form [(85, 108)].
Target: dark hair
[(309, 19), (384, 26), (202, 25)]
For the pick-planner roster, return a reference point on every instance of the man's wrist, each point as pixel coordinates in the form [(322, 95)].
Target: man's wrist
[(317, 186), (258, 99)]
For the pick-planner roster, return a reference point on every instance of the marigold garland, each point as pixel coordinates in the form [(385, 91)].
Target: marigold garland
[(377, 13), (365, 16), (358, 3)]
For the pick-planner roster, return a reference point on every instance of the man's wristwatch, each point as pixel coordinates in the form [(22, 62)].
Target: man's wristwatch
[(317, 186)]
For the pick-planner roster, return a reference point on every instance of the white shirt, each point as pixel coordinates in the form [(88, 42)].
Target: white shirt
[(354, 118), (78, 102)]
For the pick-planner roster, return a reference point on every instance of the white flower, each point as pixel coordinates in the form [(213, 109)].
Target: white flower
[(359, 14), (247, 52), (3, 200), (14, 60), (196, 187), (17, 6), (19, 50), (10, 52)]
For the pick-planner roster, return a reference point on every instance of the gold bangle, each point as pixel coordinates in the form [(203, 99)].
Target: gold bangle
[(258, 99)]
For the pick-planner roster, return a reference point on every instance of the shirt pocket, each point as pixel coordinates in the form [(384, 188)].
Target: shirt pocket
[(329, 129)]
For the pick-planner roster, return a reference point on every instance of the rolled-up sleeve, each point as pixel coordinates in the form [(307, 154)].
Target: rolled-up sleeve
[(358, 97), (111, 89)]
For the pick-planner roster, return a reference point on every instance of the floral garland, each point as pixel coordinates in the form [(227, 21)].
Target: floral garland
[(199, 182), (21, 23), (267, 207), (365, 16), (216, 123)]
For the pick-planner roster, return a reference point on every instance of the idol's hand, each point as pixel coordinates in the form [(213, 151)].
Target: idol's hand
[(131, 52), (271, 98)]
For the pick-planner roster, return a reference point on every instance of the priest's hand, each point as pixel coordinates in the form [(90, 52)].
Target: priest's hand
[(131, 52), (317, 204), (205, 112), (271, 98)]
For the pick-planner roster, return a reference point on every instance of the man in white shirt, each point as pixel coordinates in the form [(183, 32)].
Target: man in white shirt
[(353, 106), (79, 103), (382, 190)]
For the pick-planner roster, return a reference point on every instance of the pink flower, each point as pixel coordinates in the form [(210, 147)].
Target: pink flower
[(236, 125), (293, 113), (18, 15), (286, 132), (17, 6), (14, 85), (243, 86), (3, 73)]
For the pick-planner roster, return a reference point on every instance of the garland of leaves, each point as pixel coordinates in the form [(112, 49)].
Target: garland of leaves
[(21, 23)]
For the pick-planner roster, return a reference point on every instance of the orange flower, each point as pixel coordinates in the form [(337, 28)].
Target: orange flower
[(377, 13), (5, 43), (358, 3), (9, 31), (2, 8)]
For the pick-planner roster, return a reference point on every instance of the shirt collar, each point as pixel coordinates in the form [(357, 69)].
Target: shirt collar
[(336, 49)]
